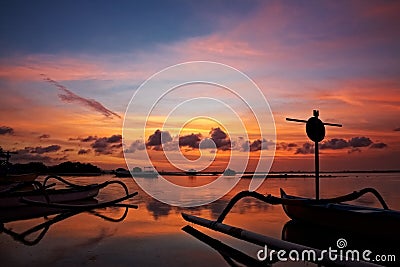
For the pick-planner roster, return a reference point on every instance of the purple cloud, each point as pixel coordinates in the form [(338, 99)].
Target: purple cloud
[(378, 145), (335, 143), (191, 140), (220, 139), (306, 148), (107, 145), (136, 145), (159, 137), (360, 141), (44, 136), (6, 130), (83, 151), (47, 149), (69, 96)]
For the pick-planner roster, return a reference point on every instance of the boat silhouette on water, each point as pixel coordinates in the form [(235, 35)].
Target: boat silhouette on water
[(334, 214), (16, 201)]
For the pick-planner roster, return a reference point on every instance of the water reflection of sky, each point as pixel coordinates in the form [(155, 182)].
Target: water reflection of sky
[(152, 235)]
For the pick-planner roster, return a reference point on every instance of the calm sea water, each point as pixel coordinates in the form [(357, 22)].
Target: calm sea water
[(152, 234)]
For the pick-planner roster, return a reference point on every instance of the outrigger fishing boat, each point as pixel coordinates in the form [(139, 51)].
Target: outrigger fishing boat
[(6, 177), (333, 213), (44, 198)]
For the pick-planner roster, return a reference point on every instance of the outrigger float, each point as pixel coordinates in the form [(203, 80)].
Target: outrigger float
[(332, 213)]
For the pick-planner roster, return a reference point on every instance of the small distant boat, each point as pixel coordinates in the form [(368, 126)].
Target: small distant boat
[(191, 172), (229, 172)]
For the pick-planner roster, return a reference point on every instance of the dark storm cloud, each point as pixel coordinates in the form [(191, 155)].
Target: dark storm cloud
[(69, 96), (44, 136), (397, 129), (26, 155), (136, 145), (83, 151), (42, 150), (29, 154), (155, 139), (107, 145), (88, 139), (354, 145), (259, 145), (191, 140), (286, 146), (306, 148), (335, 143), (220, 139), (360, 141), (6, 130), (379, 145)]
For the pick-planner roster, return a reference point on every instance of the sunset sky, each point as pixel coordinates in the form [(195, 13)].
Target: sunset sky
[(68, 70)]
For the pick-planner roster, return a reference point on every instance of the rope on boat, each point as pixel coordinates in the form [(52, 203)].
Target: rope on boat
[(300, 202)]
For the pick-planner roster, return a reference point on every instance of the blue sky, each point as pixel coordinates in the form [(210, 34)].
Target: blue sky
[(95, 27)]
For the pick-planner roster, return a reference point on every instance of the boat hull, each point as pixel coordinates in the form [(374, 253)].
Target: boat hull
[(55, 196), (351, 218), (27, 177)]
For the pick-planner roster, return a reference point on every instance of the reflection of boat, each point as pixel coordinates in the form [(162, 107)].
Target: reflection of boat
[(29, 212), (321, 257), (230, 254), (42, 228), (353, 218)]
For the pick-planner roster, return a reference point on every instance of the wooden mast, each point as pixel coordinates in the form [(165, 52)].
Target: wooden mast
[(315, 130)]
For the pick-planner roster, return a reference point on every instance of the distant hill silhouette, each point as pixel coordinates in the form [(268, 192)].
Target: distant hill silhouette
[(67, 167)]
